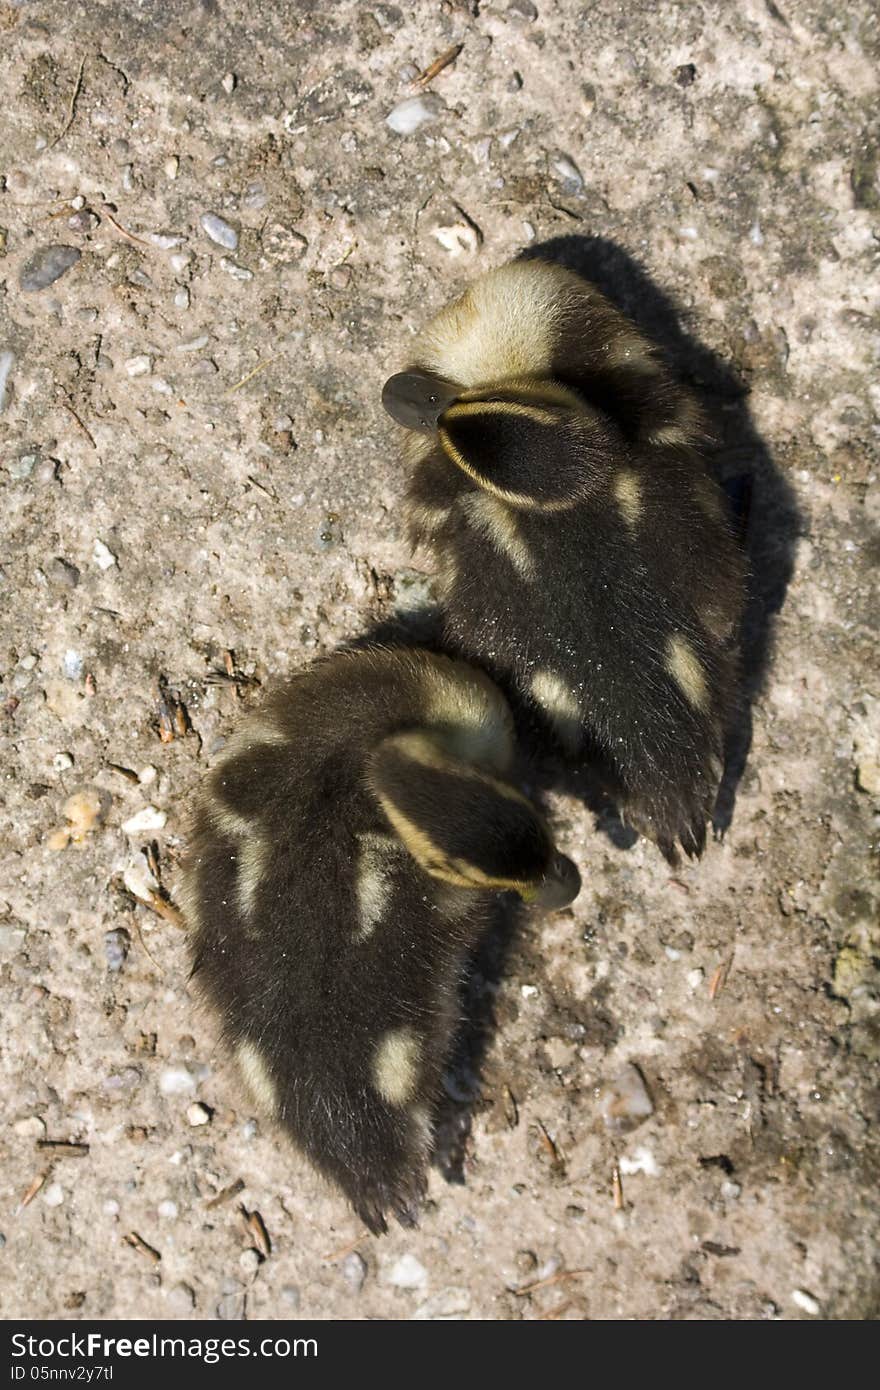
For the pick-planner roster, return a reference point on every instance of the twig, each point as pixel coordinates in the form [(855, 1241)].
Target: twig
[(225, 1194), (256, 1228), (119, 227), (719, 979), (434, 69), (245, 379), (71, 109), (552, 1279), (617, 1189), (87, 432), (346, 1249), (32, 1191), (138, 1243), (64, 1148)]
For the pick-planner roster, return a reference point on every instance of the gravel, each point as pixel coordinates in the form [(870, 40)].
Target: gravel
[(47, 265)]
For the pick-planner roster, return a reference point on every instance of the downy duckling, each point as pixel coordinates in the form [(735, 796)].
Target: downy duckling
[(342, 865), (586, 557)]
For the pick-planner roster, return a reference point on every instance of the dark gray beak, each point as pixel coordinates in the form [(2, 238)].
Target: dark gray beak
[(417, 399), (561, 885)]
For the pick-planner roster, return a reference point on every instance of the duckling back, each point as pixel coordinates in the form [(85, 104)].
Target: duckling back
[(332, 955), (585, 554)]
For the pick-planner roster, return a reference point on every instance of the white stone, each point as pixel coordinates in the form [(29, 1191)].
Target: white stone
[(642, 1161), (408, 1273), (177, 1081), (408, 115), (168, 1210), (806, 1301), (198, 1114), (62, 762), (141, 365), (102, 555), (219, 230), (53, 1196), (150, 818)]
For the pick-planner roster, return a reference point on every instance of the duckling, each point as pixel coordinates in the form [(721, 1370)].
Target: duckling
[(344, 857), (586, 557)]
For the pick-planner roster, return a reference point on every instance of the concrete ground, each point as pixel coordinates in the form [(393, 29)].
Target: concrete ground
[(200, 491)]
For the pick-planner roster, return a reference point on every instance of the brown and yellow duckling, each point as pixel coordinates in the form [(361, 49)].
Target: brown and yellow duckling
[(344, 857), (586, 556)]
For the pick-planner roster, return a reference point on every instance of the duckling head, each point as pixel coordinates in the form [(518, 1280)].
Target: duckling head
[(535, 444), (465, 826)]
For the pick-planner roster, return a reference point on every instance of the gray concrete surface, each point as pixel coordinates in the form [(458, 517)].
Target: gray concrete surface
[(194, 462)]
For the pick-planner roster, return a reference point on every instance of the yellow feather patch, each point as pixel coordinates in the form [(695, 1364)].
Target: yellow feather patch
[(257, 1077), (253, 858), (561, 706), (396, 1066), (628, 491), (683, 665), (490, 515)]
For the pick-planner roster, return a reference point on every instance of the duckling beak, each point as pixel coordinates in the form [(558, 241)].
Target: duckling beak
[(417, 399), (561, 885)]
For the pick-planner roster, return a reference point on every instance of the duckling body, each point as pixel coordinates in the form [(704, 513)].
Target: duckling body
[(344, 856), (586, 556)]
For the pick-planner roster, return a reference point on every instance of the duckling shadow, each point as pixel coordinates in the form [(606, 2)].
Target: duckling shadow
[(762, 502), (462, 1093)]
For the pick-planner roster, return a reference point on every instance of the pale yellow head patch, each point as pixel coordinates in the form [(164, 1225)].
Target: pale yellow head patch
[(396, 1066), (257, 1076), (500, 524), (475, 719), (561, 706), (628, 492), (683, 665)]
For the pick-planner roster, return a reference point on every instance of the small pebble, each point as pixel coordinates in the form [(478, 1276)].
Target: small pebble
[(138, 879), (227, 82), (53, 1195), (806, 1301), (625, 1101), (177, 1081), (695, 979), (570, 175), (408, 115), (730, 1191), (181, 1300), (139, 366), (73, 665), (83, 222), (408, 1273), (150, 818), (62, 573), (255, 196), (219, 230), (84, 809), (164, 241), (231, 1307), (198, 1114), (249, 1261), (21, 468), (249, 1129), (181, 299), (111, 1207), (449, 1305), (194, 344), (168, 1210), (46, 266), (172, 168), (7, 362), (354, 1271), (523, 10), (459, 239), (31, 1127), (238, 272), (116, 947), (291, 1296), (62, 762), (102, 555)]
